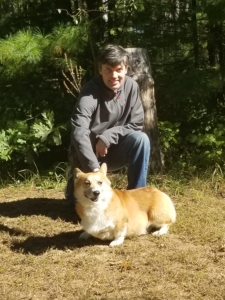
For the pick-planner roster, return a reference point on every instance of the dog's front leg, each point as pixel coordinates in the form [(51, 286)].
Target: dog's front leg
[(119, 237), (84, 236)]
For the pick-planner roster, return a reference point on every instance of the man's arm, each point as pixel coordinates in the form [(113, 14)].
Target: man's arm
[(81, 120)]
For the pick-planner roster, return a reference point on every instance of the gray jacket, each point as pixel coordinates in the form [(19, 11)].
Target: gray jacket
[(105, 114)]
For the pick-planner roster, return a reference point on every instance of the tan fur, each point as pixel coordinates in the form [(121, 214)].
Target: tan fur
[(110, 214)]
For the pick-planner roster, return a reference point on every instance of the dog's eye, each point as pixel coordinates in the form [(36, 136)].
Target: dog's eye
[(100, 182), (87, 182)]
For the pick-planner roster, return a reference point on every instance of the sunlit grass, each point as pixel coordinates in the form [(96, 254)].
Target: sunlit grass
[(42, 257)]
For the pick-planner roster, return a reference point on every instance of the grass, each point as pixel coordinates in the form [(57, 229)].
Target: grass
[(42, 258)]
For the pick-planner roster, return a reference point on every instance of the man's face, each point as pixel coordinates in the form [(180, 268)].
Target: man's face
[(113, 77)]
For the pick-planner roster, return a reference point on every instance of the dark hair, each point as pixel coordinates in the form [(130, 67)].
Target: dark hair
[(112, 55)]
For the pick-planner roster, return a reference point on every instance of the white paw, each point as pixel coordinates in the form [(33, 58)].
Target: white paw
[(161, 231), (156, 233), (116, 242), (84, 236)]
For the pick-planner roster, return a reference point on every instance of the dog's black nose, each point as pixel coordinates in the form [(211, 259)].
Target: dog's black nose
[(96, 193)]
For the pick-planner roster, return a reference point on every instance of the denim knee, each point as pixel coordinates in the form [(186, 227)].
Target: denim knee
[(141, 138)]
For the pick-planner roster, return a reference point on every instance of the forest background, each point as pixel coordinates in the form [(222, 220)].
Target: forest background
[(185, 40)]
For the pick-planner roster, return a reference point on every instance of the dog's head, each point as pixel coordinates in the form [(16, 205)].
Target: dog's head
[(91, 187)]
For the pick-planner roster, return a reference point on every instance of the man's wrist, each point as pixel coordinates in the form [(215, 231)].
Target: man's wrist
[(95, 170)]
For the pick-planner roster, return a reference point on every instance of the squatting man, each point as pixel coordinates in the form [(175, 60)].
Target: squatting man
[(107, 123)]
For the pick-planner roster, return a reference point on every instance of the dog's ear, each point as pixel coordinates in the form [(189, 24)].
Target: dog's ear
[(77, 172), (103, 169)]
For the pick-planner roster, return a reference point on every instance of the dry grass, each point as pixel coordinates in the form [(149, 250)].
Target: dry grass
[(42, 258)]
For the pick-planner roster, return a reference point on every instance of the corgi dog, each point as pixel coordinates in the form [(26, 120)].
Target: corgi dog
[(110, 214)]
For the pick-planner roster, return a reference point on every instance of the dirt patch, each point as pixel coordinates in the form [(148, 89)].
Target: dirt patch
[(42, 257)]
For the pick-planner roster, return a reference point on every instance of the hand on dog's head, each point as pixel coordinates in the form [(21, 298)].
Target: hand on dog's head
[(103, 170)]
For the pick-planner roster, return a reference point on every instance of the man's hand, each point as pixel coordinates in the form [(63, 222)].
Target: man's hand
[(101, 149)]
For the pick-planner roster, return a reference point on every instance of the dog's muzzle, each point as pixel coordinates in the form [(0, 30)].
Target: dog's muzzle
[(94, 196)]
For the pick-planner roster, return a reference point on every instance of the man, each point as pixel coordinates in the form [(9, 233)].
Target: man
[(107, 122)]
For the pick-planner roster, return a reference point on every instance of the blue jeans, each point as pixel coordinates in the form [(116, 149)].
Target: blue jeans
[(132, 151)]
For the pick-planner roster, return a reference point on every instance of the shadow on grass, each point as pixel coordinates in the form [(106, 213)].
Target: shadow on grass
[(52, 208), (12, 231), (38, 245)]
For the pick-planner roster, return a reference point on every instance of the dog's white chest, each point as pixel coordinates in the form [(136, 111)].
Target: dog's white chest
[(98, 225)]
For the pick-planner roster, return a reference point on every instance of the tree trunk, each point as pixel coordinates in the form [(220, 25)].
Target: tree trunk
[(195, 33), (211, 44), (221, 59), (140, 71)]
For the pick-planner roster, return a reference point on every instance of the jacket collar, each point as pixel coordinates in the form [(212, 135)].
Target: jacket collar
[(107, 90)]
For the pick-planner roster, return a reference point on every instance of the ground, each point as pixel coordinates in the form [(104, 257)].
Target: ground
[(42, 258)]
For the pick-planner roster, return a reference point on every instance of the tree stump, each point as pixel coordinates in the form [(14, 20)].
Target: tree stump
[(140, 70)]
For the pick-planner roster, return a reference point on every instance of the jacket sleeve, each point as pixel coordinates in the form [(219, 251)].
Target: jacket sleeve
[(133, 123), (81, 120)]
